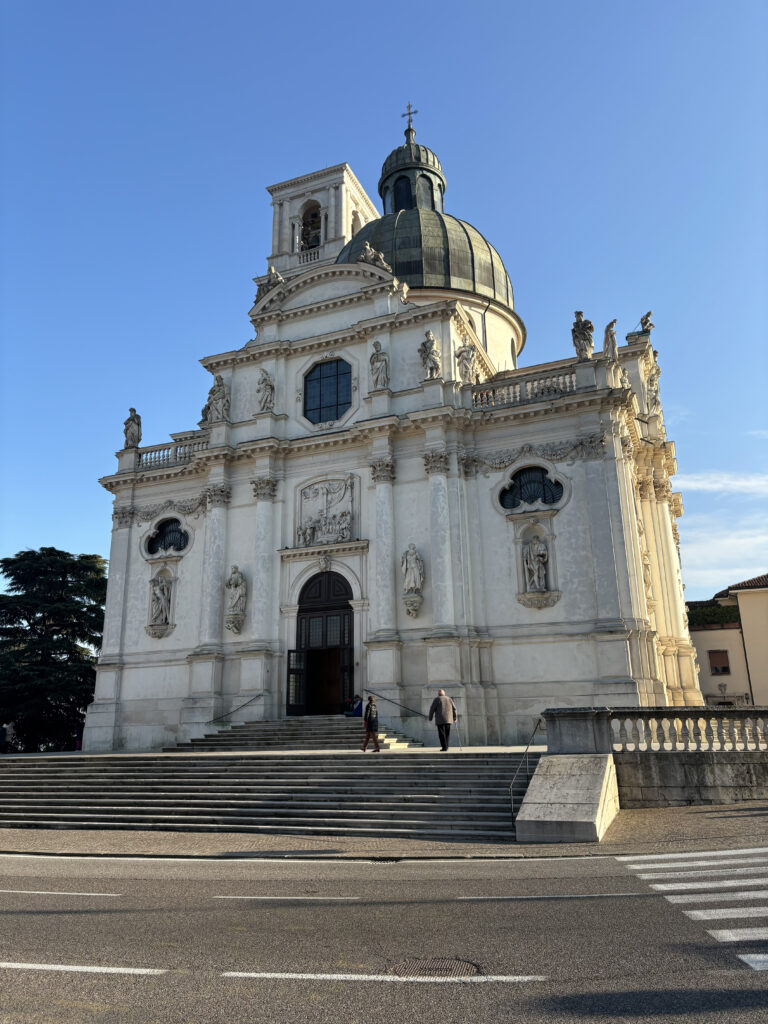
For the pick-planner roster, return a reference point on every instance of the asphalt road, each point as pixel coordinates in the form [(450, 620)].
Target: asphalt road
[(238, 941)]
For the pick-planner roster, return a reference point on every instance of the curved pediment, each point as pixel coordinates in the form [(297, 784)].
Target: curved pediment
[(319, 285)]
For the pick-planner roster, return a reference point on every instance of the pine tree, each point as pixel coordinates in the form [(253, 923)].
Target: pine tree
[(51, 622)]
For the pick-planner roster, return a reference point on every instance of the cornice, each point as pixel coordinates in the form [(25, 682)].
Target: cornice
[(351, 547), (305, 179)]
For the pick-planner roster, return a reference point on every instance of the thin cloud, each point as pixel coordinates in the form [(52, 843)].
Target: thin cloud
[(719, 550), (728, 483), (758, 433)]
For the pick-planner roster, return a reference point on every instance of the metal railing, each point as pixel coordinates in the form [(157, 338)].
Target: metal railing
[(524, 758), (220, 718), (403, 706)]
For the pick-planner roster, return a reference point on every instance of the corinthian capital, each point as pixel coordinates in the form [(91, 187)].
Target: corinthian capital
[(264, 488), (382, 470), (435, 462)]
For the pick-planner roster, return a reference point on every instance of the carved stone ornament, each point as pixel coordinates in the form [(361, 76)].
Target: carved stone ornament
[(412, 568), (413, 603), (645, 487), (627, 448), (237, 594), (123, 515), (273, 279), (382, 470), (323, 563), (652, 397), (466, 358), (435, 462), (218, 495), (581, 332), (542, 599), (662, 489), (429, 353), (374, 257), (592, 446), (326, 512), (193, 509), (468, 465), (264, 488), (624, 378), (265, 392)]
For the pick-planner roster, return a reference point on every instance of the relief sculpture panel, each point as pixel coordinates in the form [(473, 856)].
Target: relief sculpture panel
[(326, 511)]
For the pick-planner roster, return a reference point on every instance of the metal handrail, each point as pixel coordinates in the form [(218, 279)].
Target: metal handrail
[(525, 754), (381, 697), (220, 718)]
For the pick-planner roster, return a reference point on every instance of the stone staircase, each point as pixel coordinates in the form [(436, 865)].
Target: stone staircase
[(408, 794), (311, 732)]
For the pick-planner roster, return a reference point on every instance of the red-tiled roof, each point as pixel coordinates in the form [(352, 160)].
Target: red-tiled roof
[(756, 583)]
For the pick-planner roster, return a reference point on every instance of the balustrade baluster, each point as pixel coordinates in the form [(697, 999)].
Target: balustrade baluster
[(622, 733)]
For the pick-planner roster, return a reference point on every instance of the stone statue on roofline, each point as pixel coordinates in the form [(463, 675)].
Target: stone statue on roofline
[(610, 347), (430, 356), (274, 278), (645, 323), (216, 409), (466, 358), (374, 257), (581, 332), (132, 429)]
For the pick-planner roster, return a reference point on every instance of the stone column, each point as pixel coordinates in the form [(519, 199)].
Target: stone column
[(436, 467), (283, 242), (383, 473), (214, 549), (276, 207), (333, 231), (264, 491)]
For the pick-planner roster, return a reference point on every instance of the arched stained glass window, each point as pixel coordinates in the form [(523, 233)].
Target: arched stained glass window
[(531, 486), (327, 391), (169, 536)]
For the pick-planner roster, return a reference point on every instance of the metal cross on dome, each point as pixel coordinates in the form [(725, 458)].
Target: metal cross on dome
[(409, 112)]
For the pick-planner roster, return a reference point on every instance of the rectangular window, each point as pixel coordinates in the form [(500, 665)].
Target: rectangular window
[(333, 626), (316, 631), (718, 663)]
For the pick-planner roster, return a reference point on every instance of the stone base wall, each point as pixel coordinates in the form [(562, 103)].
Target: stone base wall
[(691, 777)]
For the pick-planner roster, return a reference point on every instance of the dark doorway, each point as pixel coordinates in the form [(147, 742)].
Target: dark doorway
[(320, 676)]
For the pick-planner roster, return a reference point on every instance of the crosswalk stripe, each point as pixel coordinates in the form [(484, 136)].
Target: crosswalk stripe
[(723, 913), (739, 934), (757, 961), (698, 873), (694, 864), (712, 897), (636, 858), (729, 884)]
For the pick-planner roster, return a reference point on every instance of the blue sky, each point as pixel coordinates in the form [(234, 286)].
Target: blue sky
[(614, 154)]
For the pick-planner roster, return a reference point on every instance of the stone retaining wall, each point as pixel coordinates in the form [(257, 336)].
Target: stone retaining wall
[(648, 779)]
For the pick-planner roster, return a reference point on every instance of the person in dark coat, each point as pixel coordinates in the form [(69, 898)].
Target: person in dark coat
[(444, 712), (371, 723)]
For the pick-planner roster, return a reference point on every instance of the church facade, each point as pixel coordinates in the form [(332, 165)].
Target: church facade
[(372, 502)]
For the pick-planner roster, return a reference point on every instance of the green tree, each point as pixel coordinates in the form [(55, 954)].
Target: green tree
[(51, 620)]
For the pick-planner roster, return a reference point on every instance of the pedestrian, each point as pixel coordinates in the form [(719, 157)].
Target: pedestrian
[(371, 723), (444, 711)]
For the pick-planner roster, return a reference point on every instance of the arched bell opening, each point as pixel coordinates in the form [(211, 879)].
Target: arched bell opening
[(320, 669)]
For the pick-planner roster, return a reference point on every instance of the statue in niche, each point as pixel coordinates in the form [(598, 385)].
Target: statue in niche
[(581, 332), (645, 323), (652, 397), (272, 281), (160, 601), (265, 392), (430, 356), (412, 567), (216, 409), (379, 368), (237, 591), (535, 558), (466, 357), (610, 347), (374, 257), (132, 429)]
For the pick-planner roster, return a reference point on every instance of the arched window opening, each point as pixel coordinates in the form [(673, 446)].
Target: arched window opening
[(169, 536), (531, 486), (425, 198), (327, 391), (387, 200), (310, 228), (403, 197)]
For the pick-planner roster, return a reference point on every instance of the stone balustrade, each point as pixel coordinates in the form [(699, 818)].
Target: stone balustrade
[(159, 455), (665, 729), (518, 390), (309, 256)]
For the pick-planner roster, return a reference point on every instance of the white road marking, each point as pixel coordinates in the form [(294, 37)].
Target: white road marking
[(48, 892), (566, 896), (635, 858), (722, 913), (711, 897), (472, 979), (293, 899), (668, 886), (739, 934), (81, 970), (711, 873), (695, 864), (757, 961)]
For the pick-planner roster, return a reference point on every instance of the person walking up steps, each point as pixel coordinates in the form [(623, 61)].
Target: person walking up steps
[(444, 711), (371, 723)]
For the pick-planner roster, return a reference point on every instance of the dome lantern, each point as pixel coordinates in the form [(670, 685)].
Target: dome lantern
[(411, 177)]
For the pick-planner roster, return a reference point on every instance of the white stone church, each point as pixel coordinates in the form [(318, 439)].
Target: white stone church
[(371, 502)]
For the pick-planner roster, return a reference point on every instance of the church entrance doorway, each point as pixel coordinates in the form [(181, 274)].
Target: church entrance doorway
[(320, 675)]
